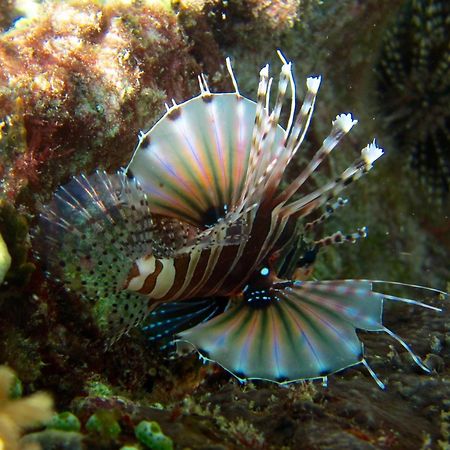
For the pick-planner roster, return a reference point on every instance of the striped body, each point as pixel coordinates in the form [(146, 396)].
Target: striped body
[(197, 241), (221, 270)]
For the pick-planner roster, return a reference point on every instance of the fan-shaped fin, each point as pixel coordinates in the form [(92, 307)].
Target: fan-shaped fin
[(193, 162), (292, 331), (89, 236), (353, 300)]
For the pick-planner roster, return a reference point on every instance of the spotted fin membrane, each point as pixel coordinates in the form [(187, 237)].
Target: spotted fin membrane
[(89, 236)]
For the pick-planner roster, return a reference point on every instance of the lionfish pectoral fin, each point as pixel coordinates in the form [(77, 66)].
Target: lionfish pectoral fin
[(89, 236), (292, 331), (412, 302)]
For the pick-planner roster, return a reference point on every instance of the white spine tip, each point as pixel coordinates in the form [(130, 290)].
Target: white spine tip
[(286, 69), (264, 72), (371, 153), (344, 122), (313, 84)]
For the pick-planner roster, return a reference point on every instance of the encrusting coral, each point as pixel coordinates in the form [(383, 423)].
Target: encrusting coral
[(76, 82), (16, 415)]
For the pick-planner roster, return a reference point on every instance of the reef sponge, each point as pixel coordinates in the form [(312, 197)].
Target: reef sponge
[(65, 421), (104, 424), (79, 79), (150, 434), (16, 415)]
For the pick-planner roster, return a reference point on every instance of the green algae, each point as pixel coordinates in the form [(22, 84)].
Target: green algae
[(65, 421), (151, 435), (104, 424)]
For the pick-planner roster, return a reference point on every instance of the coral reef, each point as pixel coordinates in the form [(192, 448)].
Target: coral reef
[(84, 75), (17, 415)]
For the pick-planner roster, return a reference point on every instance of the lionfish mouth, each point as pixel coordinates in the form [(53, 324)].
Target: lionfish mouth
[(203, 247)]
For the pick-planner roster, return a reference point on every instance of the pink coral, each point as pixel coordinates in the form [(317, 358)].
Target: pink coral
[(74, 80)]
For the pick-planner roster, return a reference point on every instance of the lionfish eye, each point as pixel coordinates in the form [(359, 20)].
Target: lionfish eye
[(264, 271)]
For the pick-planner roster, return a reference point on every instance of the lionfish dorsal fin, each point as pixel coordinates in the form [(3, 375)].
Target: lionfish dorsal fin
[(193, 162)]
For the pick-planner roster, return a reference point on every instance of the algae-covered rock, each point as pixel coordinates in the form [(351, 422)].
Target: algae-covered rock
[(65, 421), (151, 435), (104, 424), (71, 81), (5, 259)]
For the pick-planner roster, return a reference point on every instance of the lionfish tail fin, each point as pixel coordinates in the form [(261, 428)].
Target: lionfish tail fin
[(88, 237), (294, 331)]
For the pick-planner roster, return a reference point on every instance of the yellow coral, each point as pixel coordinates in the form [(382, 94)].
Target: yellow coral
[(16, 415), (5, 261)]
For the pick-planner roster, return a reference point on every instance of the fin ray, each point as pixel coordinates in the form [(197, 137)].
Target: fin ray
[(89, 236), (285, 339), (293, 331)]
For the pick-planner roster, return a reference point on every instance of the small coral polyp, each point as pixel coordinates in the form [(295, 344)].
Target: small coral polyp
[(197, 242)]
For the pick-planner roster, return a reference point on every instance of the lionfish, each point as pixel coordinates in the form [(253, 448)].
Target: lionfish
[(196, 241)]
